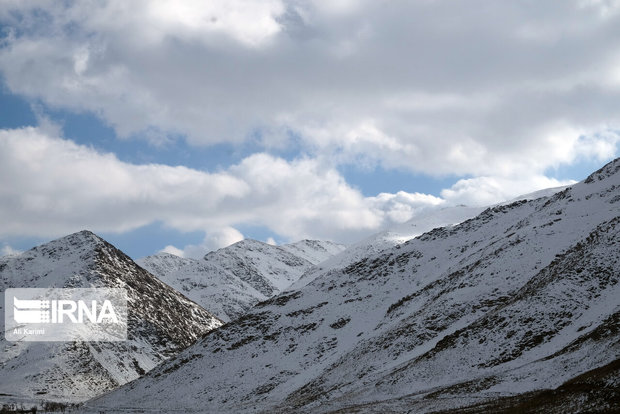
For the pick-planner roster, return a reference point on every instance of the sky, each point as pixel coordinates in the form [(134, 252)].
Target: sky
[(186, 126)]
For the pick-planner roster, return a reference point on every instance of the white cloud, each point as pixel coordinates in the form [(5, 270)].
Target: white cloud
[(403, 206), (483, 191), (214, 239), (249, 22), (173, 250), (58, 187), (7, 250), (433, 87)]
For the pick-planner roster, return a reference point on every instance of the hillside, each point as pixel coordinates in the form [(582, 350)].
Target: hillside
[(521, 298), (227, 282), (161, 322)]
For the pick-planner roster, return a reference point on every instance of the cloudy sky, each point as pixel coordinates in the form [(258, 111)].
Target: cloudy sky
[(189, 125)]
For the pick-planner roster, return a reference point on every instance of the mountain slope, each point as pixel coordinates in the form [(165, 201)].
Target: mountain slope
[(387, 239), (314, 251), (593, 391), (376, 243), (220, 282), (161, 322), (270, 269), (211, 286), (521, 298)]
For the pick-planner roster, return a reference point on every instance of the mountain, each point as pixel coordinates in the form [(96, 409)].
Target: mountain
[(271, 269), (226, 282), (387, 239), (520, 299), (161, 322), (376, 243), (211, 286), (314, 251)]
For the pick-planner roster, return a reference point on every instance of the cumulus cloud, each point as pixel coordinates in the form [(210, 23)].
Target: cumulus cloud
[(214, 239), (483, 191), (7, 250), (58, 187), (497, 92), (476, 88), (402, 206), (173, 250)]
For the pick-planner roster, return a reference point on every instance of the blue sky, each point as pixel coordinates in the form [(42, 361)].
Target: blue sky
[(190, 127)]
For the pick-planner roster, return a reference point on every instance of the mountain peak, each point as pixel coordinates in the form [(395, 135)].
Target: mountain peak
[(314, 251), (241, 244), (86, 232), (606, 171), (231, 280), (83, 234), (248, 242), (164, 255), (81, 238), (161, 321), (78, 248)]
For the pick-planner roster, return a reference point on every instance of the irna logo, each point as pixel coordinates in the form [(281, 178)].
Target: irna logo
[(65, 314), (60, 311)]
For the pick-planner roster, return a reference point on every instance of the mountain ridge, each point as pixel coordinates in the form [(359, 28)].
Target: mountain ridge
[(402, 328), (267, 268), (161, 322), (229, 281)]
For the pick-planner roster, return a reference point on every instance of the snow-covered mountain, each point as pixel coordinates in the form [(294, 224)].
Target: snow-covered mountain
[(376, 243), (271, 269), (521, 298), (387, 239), (314, 251), (161, 322), (211, 286), (226, 282)]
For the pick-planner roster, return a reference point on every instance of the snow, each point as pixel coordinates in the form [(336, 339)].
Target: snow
[(520, 297), (447, 216), (161, 323), (230, 281), (269, 269), (314, 251), (209, 285)]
